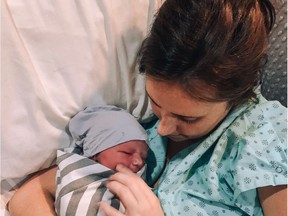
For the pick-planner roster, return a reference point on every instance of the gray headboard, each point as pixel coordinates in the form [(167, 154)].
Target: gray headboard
[(274, 84)]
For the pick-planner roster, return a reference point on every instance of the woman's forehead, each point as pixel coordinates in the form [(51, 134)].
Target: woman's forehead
[(188, 88), (172, 98)]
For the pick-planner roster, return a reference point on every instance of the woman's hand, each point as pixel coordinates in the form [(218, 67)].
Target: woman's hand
[(134, 193)]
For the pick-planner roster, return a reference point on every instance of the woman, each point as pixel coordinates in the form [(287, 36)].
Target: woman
[(202, 60), (222, 146)]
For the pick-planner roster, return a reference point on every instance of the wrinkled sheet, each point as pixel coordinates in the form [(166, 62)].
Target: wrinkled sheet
[(57, 58)]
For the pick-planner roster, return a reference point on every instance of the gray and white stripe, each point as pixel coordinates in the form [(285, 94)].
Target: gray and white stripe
[(81, 185)]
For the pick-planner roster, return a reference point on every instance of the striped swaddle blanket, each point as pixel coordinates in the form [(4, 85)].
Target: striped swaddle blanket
[(81, 185)]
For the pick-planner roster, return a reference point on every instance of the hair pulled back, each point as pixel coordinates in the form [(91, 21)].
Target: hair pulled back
[(219, 43)]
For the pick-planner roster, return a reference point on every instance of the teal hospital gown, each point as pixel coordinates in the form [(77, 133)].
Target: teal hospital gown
[(220, 174)]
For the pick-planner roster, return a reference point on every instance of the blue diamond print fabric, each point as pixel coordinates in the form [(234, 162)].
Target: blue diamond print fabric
[(220, 174)]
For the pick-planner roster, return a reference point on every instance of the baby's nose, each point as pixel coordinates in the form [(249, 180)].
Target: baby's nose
[(137, 163), (137, 160)]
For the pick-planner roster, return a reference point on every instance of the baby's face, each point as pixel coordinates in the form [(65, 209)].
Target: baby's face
[(131, 154)]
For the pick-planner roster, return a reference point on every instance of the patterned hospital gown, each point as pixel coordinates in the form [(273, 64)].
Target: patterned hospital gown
[(219, 175)]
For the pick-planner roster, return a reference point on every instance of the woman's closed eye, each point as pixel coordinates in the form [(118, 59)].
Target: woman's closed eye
[(189, 121)]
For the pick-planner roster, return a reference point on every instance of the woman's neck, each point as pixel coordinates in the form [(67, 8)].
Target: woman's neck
[(175, 147), (172, 149)]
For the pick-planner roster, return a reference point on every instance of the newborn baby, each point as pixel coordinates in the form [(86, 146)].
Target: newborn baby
[(103, 136)]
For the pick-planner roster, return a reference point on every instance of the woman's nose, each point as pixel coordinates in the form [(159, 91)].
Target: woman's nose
[(167, 126)]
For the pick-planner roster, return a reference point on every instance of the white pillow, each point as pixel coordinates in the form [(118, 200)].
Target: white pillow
[(59, 57)]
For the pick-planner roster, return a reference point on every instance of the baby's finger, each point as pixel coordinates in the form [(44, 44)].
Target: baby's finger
[(108, 210)]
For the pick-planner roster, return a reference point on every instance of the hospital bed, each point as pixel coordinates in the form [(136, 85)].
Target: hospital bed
[(61, 56)]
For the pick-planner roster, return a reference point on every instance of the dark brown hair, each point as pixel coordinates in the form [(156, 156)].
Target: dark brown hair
[(219, 43)]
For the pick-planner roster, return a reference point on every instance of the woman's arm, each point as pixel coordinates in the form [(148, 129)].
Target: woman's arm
[(36, 196), (134, 193), (273, 200)]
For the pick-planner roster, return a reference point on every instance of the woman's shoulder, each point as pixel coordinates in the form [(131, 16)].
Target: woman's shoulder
[(256, 146), (260, 117), (261, 127)]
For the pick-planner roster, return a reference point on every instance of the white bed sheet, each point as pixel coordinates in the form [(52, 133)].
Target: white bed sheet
[(57, 58)]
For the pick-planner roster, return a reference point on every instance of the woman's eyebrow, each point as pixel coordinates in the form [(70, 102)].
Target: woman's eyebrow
[(152, 99), (187, 117), (175, 114)]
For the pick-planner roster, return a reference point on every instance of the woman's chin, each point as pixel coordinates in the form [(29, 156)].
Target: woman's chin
[(178, 138)]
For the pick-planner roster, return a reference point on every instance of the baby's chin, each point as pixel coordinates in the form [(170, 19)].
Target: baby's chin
[(134, 169)]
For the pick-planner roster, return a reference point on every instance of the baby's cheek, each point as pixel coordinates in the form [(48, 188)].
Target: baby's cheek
[(126, 163)]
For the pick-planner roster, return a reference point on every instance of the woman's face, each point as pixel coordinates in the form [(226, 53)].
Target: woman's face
[(181, 116), (131, 154)]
